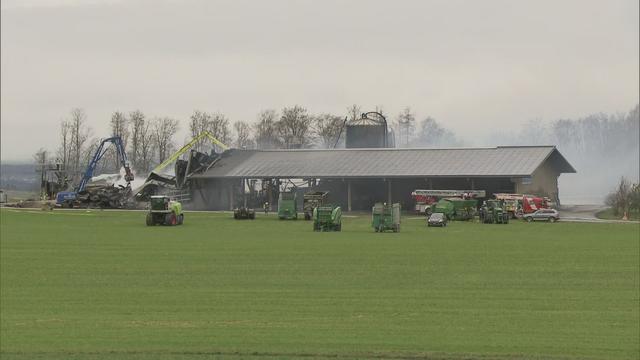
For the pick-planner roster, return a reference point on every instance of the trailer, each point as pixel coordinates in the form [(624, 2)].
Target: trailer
[(426, 199), (456, 208), (288, 205), (312, 200), (327, 218), (385, 217)]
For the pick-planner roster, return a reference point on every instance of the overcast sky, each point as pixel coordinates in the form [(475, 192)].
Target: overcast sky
[(473, 65)]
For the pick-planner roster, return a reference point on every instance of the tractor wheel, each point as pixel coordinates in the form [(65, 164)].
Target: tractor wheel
[(150, 221), (170, 219), (181, 219)]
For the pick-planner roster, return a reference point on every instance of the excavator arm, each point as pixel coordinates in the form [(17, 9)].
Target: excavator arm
[(189, 145), (122, 155)]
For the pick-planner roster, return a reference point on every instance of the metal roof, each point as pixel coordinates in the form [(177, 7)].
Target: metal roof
[(508, 161)]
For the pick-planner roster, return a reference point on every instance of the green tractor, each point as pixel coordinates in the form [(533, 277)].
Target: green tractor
[(164, 211), (385, 217), (492, 212), (243, 213), (456, 208), (288, 205), (312, 200), (327, 218)]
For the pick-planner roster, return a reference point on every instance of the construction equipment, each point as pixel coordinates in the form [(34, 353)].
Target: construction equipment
[(164, 211), (456, 208), (69, 198), (518, 205), (425, 199), (327, 218), (197, 162), (492, 212), (242, 213), (385, 217), (288, 205), (312, 200)]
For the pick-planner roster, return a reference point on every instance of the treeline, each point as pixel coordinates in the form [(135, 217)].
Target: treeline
[(150, 140)]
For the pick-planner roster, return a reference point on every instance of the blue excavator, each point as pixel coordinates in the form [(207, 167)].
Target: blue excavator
[(69, 198)]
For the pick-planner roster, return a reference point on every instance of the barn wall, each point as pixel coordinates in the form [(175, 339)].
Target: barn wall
[(544, 182)]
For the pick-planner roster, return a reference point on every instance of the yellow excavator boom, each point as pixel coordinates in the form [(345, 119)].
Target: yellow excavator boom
[(188, 146)]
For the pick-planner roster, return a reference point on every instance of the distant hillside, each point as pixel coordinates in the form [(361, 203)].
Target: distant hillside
[(18, 177)]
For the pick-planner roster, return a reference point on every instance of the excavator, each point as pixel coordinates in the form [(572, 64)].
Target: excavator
[(68, 198), (196, 162)]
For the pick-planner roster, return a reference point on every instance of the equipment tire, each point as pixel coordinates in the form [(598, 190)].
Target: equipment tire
[(181, 219)]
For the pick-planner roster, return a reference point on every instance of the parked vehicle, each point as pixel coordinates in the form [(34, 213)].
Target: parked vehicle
[(492, 212), (312, 200), (437, 219), (426, 199), (242, 213), (327, 218), (288, 205), (164, 211), (550, 215), (456, 208), (385, 217)]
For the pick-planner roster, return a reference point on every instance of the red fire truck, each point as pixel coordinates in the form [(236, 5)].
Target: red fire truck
[(426, 198)]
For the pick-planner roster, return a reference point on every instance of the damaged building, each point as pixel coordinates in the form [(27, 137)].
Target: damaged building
[(357, 178)]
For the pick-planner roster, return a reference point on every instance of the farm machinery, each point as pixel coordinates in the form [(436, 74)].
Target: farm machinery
[(327, 218), (456, 208), (312, 200), (288, 205), (164, 211), (426, 199), (517, 205), (492, 212), (243, 213), (385, 217), (99, 195)]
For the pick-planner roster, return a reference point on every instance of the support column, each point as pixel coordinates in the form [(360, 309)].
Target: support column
[(231, 196), (389, 191), (349, 195), (244, 191), (473, 184)]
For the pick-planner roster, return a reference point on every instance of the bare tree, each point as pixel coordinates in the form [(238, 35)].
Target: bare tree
[(118, 125), (294, 127), (405, 124), (217, 124), (146, 146), (79, 134), (65, 144), (354, 112), (137, 124), (219, 127), (265, 130), (163, 131), (198, 122), (431, 134), (243, 135), (328, 129)]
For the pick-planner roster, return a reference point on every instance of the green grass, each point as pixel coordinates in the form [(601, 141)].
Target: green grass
[(102, 285), (607, 214)]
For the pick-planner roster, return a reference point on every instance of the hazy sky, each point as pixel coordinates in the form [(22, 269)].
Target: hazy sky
[(476, 66)]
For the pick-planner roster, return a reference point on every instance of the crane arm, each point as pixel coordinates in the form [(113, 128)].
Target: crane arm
[(88, 174), (188, 146)]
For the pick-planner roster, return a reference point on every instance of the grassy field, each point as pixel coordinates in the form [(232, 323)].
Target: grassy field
[(102, 285), (607, 214)]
